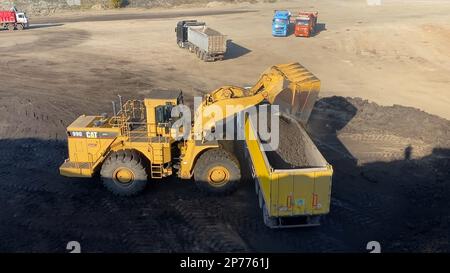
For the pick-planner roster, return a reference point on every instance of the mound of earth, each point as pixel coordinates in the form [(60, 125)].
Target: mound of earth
[(398, 120)]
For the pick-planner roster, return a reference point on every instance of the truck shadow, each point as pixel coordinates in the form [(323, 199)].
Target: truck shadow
[(291, 30), (319, 28), (235, 51), (36, 26)]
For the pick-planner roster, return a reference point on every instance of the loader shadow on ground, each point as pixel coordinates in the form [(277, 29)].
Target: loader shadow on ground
[(235, 51), (400, 203)]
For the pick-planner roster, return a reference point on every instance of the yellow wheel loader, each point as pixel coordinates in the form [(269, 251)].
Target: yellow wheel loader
[(138, 143)]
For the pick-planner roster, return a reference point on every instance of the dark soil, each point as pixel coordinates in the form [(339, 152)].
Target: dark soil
[(400, 202), (399, 120)]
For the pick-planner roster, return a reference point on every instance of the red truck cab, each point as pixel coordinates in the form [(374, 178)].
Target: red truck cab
[(305, 24)]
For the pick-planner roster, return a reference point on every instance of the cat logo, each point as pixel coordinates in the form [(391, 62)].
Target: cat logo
[(91, 134)]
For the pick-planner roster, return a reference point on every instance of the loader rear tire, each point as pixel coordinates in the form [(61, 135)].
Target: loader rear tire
[(124, 174), (217, 172)]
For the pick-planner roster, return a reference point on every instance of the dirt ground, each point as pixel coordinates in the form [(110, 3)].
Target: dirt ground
[(391, 181)]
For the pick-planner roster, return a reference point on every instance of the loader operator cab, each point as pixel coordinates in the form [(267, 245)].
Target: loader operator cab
[(158, 107)]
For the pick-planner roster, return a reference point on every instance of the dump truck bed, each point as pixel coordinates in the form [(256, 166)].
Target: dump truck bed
[(207, 39), (293, 195), (7, 17)]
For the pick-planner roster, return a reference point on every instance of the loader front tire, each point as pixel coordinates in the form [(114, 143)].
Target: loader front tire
[(217, 172), (124, 174)]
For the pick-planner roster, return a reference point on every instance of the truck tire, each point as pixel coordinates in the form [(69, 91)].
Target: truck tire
[(203, 56), (19, 27), (180, 44), (197, 52), (11, 27), (217, 172), (191, 48), (124, 174)]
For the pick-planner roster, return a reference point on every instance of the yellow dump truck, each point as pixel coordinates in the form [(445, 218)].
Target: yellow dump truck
[(140, 143), (289, 196)]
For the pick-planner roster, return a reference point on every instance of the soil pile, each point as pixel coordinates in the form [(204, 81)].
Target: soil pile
[(398, 120)]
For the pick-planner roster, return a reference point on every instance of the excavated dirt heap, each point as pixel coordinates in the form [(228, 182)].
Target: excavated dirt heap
[(397, 120)]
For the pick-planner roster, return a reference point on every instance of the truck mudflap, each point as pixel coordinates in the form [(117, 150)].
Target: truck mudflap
[(296, 197)]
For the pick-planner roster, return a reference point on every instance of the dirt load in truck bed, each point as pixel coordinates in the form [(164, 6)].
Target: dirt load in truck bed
[(291, 148), (290, 153), (210, 32)]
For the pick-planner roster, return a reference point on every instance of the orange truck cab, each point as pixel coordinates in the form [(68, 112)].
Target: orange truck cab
[(305, 24)]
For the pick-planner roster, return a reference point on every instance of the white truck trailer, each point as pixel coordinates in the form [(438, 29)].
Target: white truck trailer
[(208, 44)]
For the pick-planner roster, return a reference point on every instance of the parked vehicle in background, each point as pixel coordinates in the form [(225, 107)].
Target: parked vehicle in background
[(305, 23), (280, 22), (208, 44), (13, 20)]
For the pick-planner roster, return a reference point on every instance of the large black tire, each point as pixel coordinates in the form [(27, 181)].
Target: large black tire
[(124, 174), (11, 27), (217, 172), (20, 27)]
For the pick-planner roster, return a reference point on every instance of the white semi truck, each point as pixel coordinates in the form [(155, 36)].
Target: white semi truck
[(208, 44)]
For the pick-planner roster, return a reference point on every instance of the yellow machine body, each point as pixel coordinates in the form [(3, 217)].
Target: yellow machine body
[(145, 126), (290, 192)]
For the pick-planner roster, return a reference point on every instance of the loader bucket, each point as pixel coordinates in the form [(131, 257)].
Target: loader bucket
[(299, 90)]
